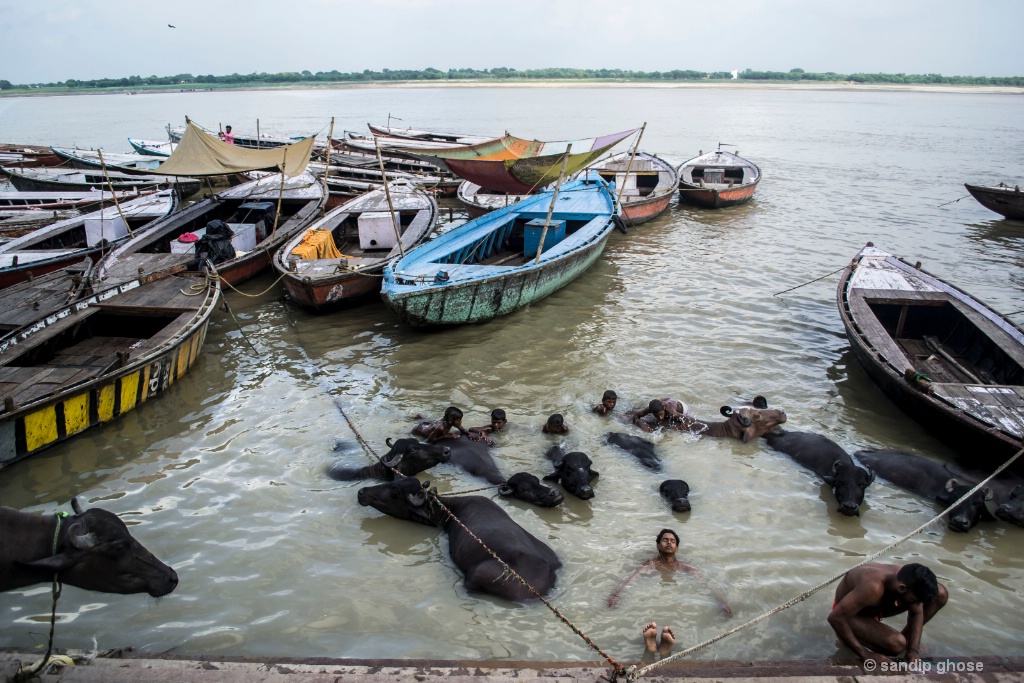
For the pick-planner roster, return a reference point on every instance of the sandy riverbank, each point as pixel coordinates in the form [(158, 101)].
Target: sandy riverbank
[(846, 86)]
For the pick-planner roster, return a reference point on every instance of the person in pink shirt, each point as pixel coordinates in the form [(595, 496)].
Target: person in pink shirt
[(227, 136)]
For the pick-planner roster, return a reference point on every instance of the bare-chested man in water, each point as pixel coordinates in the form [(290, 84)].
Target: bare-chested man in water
[(667, 563), (868, 594)]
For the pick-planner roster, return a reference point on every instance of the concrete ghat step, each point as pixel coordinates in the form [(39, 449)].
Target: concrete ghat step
[(280, 670)]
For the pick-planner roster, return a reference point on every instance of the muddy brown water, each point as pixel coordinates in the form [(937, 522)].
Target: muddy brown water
[(223, 477)]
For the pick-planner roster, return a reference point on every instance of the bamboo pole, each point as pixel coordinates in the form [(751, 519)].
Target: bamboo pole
[(327, 167), (257, 133), (113, 193), (551, 209), (387, 193), (629, 166), (280, 192)]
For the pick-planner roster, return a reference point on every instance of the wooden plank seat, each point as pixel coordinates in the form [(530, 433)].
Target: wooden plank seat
[(164, 295), (127, 268)]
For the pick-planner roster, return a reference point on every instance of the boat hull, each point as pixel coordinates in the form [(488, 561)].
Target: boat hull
[(25, 184), (326, 293), (713, 198), (1007, 202), (12, 275), (635, 213), (40, 425), (481, 300)]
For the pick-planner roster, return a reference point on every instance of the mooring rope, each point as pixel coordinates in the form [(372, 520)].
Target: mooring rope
[(633, 673), (511, 572), (810, 281)]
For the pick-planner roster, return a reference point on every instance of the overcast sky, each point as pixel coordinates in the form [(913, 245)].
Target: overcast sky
[(53, 40)]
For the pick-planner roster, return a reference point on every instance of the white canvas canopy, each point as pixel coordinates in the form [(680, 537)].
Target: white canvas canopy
[(202, 154)]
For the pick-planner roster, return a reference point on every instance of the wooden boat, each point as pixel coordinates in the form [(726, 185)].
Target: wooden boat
[(342, 174), (479, 200), (97, 359), (31, 155), (436, 137), (1005, 200), (261, 215), (262, 141), (17, 223), (24, 303), (72, 180), (58, 201), (948, 360), (644, 183), (489, 266), (155, 148), (69, 241), (717, 179), (363, 231), (89, 160)]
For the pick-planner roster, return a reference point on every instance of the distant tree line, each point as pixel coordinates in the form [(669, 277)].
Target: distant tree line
[(504, 73)]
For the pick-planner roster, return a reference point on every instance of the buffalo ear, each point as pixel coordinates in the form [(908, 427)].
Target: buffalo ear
[(760, 402), (592, 474), (54, 563), (987, 492), (1017, 490), (554, 476), (951, 484), (871, 476), (726, 410), (829, 479)]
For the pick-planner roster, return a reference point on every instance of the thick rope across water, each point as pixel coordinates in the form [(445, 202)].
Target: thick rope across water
[(633, 673)]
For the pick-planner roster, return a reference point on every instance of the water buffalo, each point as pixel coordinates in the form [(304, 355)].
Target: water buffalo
[(829, 461), (94, 551), (534, 561), (527, 488), (475, 458), (641, 448), (1007, 491), (677, 493), (408, 456), (744, 423), (573, 471), (928, 478)]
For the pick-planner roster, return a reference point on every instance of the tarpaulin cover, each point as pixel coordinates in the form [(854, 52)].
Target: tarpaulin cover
[(317, 244), (514, 165), (202, 154)]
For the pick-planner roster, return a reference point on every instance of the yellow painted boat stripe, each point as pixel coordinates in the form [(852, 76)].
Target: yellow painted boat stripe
[(40, 428), (182, 359), (105, 407), (145, 383), (76, 413), (129, 391)]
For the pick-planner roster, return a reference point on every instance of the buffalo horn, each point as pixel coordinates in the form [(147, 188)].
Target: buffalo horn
[(76, 506)]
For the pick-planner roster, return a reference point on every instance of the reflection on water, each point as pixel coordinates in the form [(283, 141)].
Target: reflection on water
[(223, 477)]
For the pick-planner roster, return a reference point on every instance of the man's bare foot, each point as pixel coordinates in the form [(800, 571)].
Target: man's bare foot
[(651, 637), (668, 639)]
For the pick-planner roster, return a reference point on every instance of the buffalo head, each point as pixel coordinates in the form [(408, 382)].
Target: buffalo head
[(848, 483), (573, 471), (748, 422), (527, 488), (96, 552)]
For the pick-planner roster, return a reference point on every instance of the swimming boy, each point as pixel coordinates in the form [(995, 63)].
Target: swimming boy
[(555, 425), (442, 429), (607, 404)]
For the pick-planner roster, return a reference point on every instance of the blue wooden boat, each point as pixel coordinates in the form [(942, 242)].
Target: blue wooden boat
[(488, 267)]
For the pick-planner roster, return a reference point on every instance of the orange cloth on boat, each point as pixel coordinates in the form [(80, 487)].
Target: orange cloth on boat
[(317, 244)]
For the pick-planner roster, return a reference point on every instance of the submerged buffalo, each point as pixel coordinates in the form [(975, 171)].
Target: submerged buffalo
[(677, 493), (475, 458), (642, 449), (743, 423), (573, 471), (406, 456), (1007, 492), (529, 557), (829, 461), (91, 549), (928, 478)]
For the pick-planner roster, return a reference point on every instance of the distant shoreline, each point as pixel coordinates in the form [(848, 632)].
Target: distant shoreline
[(841, 86)]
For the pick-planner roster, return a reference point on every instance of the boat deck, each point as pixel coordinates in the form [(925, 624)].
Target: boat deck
[(103, 349)]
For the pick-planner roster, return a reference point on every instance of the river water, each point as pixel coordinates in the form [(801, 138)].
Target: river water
[(223, 477)]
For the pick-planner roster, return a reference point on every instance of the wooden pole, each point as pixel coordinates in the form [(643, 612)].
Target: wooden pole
[(551, 209), (387, 193), (113, 193), (629, 166), (257, 133), (327, 167), (280, 192)]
